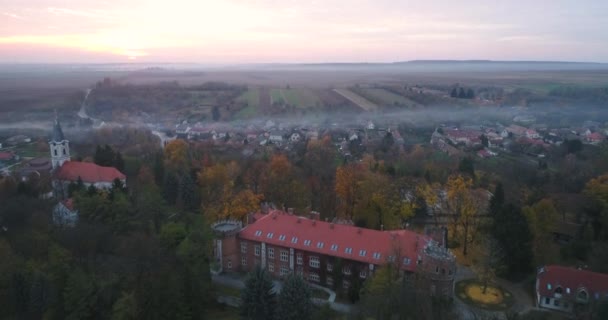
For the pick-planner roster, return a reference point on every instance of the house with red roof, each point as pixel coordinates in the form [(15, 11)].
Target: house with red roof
[(571, 290), (329, 254), (594, 138)]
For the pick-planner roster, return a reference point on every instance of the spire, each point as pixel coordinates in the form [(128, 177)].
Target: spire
[(57, 132)]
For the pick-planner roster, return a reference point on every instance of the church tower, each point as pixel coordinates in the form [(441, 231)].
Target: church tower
[(60, 147)]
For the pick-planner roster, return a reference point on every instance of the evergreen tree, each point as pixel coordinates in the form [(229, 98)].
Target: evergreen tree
[(498, 199), (119, 163), (80, 296), (512, 233), (461, 93), (454, 93), (170, 188), (258, 296), (294, 301), (125, 308), (470, 94), (467, 166), (484, 141)]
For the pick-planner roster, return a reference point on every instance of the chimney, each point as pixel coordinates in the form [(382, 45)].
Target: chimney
[(290, 211), (381, 227)]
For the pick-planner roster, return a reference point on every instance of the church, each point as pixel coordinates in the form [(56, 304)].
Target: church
[(64, 171)]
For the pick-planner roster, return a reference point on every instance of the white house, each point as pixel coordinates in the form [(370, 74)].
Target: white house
[(295, 137), (64, 213)]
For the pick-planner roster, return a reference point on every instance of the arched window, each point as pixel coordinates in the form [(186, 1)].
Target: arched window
[(582, 295), (55, 151), (64, 153)]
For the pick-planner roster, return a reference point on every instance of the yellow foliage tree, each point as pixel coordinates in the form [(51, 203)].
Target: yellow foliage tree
[(176, 155), (542, 219), (463, 209)]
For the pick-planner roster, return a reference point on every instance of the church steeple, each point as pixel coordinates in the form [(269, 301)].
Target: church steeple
[(59, 145)]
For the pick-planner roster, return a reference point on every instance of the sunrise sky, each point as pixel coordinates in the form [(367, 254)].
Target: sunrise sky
[(249, 31)]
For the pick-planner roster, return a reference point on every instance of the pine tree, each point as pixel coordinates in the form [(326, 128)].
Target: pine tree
[(294, 301), (119, 163), (470, 93), (125, 308), (259, 297), (461, 93), (454, 93), (498, 199)]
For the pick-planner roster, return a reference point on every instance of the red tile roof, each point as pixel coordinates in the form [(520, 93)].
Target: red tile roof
[(69, 203), (573, 279), (88, 172), (6, 155), (399, 243), (595, 137)]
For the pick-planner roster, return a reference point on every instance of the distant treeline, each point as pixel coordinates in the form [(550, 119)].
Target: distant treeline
[(588, 94)]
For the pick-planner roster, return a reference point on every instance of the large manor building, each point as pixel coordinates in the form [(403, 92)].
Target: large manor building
[(329, 254)]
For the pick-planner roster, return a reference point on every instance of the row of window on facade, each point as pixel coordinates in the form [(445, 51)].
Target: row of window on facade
[(284, 254), (582, 294), (320, 245)]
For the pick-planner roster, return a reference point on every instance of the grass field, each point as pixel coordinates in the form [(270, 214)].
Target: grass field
[(388, 98), (252, 98), (276, 96), (301, 97), (357, 99)]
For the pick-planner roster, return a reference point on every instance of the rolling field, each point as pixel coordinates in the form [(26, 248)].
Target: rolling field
[(357, 99), (387, 98)]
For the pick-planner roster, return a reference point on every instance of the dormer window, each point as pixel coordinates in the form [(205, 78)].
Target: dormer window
[(348, 250), (334, 247), (282, 237), (320, 245), (362, 253), (269, 235), (294, 240), (307, 243), (377, 255), (406, 261), (549, 286), (258, 233)]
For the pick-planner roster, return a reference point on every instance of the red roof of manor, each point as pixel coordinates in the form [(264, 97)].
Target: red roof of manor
[(366, 245), (571, 280), (88, 172)]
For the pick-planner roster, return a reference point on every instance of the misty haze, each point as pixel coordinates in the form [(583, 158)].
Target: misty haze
[(303, 160)]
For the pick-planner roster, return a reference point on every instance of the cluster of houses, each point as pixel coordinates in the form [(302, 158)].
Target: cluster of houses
[(285, 135), (488, 140)]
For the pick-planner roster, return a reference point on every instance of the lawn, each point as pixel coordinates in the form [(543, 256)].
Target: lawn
[(388, 98)]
